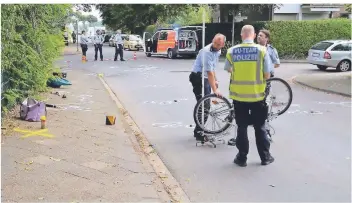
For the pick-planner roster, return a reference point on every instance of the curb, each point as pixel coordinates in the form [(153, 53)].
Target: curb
[(170, 184), (293, 61), (222, 59), (320, 89)]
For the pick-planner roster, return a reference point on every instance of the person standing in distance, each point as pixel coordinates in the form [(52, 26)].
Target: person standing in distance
[(98, 41), (211, 55), (119, 46), (73, 37), (249, 65), (84, 45), (263, 39)]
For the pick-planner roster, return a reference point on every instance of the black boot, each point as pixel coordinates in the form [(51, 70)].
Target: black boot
[(268, 161), (240, 160)]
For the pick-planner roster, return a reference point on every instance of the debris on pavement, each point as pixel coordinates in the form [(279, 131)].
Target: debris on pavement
[(52, 158), (272, 185), (51, 105), (31, 110), (62, 75), (57, 82)]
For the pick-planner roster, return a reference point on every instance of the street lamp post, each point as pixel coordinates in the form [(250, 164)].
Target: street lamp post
[(77, 34)]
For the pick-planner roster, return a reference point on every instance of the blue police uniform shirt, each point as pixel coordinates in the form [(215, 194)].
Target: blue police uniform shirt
[(266, 62), (210, 62), (274, 56)]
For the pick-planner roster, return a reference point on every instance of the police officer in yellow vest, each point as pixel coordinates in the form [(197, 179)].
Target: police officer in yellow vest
[(249, 65)]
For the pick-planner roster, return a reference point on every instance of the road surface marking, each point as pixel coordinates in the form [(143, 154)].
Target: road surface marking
[(30, 133)]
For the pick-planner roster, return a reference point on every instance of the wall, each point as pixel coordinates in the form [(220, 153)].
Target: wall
[(285, 16), (288, 8), (314, 16), (219, 12)]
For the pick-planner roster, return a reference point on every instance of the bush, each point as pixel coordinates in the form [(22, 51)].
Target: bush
[(293, 39), (32, 40)]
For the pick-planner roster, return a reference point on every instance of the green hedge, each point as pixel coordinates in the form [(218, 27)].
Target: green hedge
[(293, 39), (32, 39)]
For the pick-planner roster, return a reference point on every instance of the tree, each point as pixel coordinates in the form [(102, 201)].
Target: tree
[(238, 9), (92, 19), (129, 17), (348, 7), (191, 15), (83, 7)]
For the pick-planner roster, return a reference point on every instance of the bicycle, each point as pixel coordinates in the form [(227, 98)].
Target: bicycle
[(228, 115)]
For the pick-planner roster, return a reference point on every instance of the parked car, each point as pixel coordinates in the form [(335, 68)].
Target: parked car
[(107, 38), (111, 40), (173, 42), (133, 42), (331, 53)]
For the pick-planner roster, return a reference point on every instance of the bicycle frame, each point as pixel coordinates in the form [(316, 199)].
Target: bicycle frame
[(229, 120)]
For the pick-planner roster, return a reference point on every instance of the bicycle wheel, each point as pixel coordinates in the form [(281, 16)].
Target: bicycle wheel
[(218, 114), (278, 89)]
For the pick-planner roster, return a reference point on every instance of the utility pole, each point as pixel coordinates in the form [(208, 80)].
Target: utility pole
[(237, 18), (233, 28), (77, 34)]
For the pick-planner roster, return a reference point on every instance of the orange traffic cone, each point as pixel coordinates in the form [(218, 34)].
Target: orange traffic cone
[(134, 56)]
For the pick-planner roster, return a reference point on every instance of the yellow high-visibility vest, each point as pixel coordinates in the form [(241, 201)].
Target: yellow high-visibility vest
[(247, 81)]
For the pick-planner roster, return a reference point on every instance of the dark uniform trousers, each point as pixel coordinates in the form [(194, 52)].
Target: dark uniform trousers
[(251, 113), (84, 48), (100, 48), (196, 80), (118, 50)]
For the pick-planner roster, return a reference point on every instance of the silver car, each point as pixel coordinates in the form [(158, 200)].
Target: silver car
[(331, 53)]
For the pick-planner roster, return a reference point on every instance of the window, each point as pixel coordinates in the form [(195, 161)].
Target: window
[(163, 36), (342, 47), (322, 46), (156, 36), (133, 38)]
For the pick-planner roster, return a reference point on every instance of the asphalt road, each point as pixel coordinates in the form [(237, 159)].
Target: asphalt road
[(312, 144)]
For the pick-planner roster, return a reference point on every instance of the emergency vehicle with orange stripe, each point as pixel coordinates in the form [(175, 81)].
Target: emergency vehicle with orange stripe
[(173, 42)]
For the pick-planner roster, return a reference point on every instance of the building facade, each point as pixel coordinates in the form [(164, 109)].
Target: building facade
[(285, 12), (308, 11)]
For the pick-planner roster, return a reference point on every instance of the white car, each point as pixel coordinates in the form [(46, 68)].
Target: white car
[(331, 53)]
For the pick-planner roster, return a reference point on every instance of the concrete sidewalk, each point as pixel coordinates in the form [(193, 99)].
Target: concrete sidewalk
[(71, 49), (85, 160), (337, 83)]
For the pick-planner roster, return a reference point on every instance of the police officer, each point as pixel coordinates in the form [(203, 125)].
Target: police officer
[(211, 56), (263, 39), (98, 41), (84, 45), (119, 46), (249, 65)]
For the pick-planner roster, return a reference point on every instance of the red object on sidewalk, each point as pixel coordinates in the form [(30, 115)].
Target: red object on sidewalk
[(134, 56)]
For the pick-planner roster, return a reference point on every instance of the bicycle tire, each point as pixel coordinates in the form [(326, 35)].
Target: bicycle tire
[(289, 90), (227, 125)]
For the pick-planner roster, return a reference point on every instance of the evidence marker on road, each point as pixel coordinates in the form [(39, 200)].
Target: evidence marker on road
[(110, 120)]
